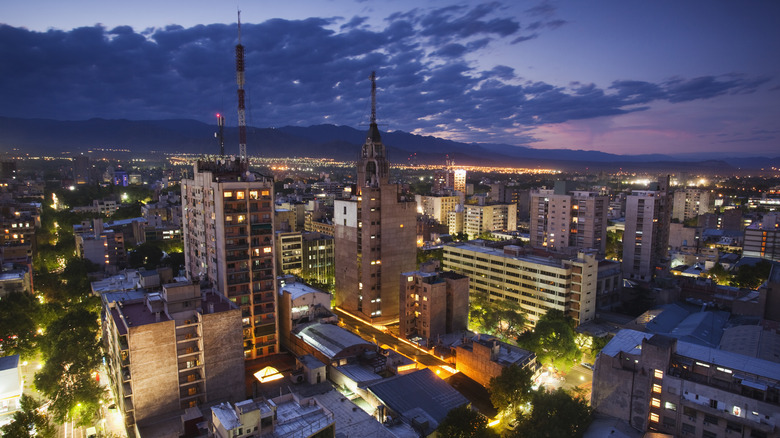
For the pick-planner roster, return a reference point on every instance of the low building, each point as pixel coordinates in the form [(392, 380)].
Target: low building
[(484, 357), (285, 416), (173, 350), (15, 278), (299, 303), (11, 384), (661, 384)]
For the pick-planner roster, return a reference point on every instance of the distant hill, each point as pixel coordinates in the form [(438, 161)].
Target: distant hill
[(44, 136)]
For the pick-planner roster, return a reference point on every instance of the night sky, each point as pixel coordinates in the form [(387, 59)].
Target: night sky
[(675, 77)]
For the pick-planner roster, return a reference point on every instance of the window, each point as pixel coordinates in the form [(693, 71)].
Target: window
[(240, 194), (670, 406), (227, 194), (656, 388), (669, 421), (710, 419), (655, 403), (688, 429), (708, 434), (654, 417), (658, 374), (253, 194)]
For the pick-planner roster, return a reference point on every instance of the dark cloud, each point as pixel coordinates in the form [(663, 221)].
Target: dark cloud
[(315, 71)]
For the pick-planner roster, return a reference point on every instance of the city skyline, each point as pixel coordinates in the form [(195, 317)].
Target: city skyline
[(687, 78)]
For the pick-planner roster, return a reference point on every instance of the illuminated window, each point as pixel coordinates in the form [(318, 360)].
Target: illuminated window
[(671, 406), (659, 374), (654, 417), (655, 403), (241, 218), (267, 250), (253, 194), (227, 194), (240, 194), (656, 388), (193, 391), (266, 193)]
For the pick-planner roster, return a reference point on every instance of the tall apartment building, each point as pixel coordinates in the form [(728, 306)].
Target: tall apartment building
[(306, 254), (459, 180), (436, 207), (172, 350), (575, 219), (376, 235), (433, 303), (81, 169), (539, 282), (646, 236), (228, 242), (502, 193), (105, 248), (478, 219), (658, 383), (762, 239), (689, 203)]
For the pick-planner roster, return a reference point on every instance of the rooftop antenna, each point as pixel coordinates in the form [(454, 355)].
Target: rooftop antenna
[(373, 97), (241, 106)]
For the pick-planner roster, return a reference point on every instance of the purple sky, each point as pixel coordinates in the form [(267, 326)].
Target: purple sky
[(621, 77)]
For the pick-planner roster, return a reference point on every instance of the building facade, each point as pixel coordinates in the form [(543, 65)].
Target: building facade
[(229, 243), (308, 255), (437, 207), (646, 236), (538, 281), (657, 383), (478, 219), (433, 303), (173, 350), (762, 239), (375, 237), (569, 220), (690, 203)]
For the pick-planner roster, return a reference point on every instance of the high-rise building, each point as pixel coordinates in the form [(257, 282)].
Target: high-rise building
[(172, 350), (306, 254), (437, 207), (478, 219), (646, 236), (762, 238), (375, 234), (576, 219), (690, 203), (229, 243), (81, 169)]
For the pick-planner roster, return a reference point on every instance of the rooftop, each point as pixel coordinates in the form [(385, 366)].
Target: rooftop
[(330, 339), (298, 289)]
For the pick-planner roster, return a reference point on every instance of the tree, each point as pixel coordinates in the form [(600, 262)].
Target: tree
[(71, 355), (511, 390), (19, 315), (553, 341), (752, 276), (614, 245), (463, 422), (501, 318), (28, 421), (145, 255), (554, 415), (719, 274)]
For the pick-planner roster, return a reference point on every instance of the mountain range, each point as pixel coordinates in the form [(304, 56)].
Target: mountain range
[(52, 137)]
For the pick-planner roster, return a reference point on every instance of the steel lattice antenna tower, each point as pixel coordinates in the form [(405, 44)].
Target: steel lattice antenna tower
[(221, 134), (241, 107)]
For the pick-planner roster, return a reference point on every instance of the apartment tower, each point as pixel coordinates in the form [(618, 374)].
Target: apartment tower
[(646, 236)]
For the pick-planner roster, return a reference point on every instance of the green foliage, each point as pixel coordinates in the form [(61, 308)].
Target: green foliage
[(553, 340), (554, 415), (511, 390), (614, 245), (598, 344), (19, 313), (463, 422), (424, 255), (460, 237), (71, 354), (752, 276), (146, 256), (28, 421), (719, 274), (501, 318)]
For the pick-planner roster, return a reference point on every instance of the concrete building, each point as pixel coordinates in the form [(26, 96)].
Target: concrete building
[(375, 237), (15, 278), (286, 416), (561, 220), (646, 236), (433, 303), (484, 357), (81, 169), (436, 207), (660, 384), (228, 242), (502, 193), (11, 385), (309, 255), (478, 219), (299, 303), (173, 350), (105, 248), (538, 280), (762, 239), (690, 203)]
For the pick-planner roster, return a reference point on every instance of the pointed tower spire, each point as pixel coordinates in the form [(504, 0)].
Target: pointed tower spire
[(373, 168), (373, 97)]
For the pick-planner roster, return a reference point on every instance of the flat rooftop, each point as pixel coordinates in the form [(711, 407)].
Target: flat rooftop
[(551, 261), (299, 289)]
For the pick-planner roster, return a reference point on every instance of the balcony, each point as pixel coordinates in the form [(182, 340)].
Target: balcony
[(187, 351), (190, 378)]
